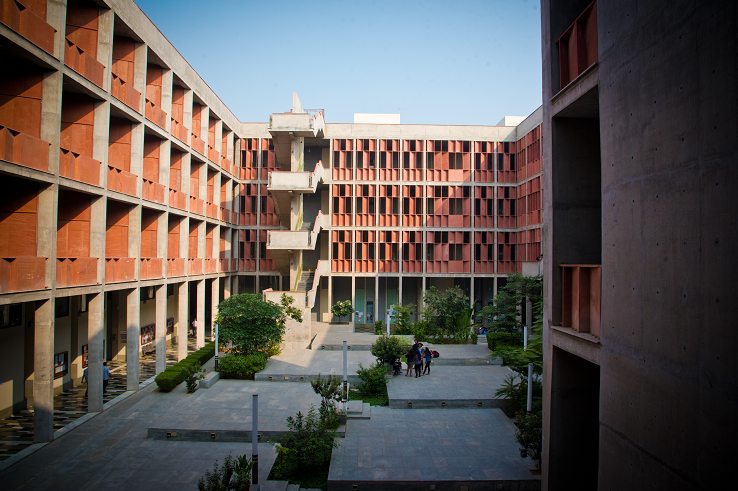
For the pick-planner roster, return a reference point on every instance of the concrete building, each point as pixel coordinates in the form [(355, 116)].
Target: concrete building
[(132, 201), (639, 149)]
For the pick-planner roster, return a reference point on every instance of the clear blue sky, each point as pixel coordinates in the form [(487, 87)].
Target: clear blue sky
[(438, 62)]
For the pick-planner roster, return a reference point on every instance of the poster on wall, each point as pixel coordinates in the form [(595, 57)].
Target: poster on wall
[(148, 334), (359, 317), (85, 350)]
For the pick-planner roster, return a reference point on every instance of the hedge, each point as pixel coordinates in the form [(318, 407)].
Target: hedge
[(242, 367), (499, 340), (175, 375)]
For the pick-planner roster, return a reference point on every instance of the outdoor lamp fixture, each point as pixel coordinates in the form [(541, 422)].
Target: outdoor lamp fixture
[(539, 258)]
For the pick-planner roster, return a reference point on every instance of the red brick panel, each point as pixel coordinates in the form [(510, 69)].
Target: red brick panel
[(389, 160), (389, 205), (178, 129), (198, 143), (195, 178), (389, 251), (343, 160), (484, 206), (449, 206), (209, 237), (18, 217), (366, 160), (195, 265), (249, 158), (149, 226), (412, 160), (266, 263), (448, 252), (506, 164), (507, 253), (152, 268), (21, 91), (210, 187), (123, 71), (248, 249), (365, 251), (213, 153), (341, 245), (28, 18), (154, 112), (22, 274), (342, 211), (249, 203), (506, 207), (484, 252), (119, 146), (76, 271), (448, 160), (268, 160), (365, 205), (173, 237), (81, 41), (24, 149), (77, 122), (412, 206), (152, 190), (268, 215), (116, 234), (484, 161), (176, 267), (578, 46), (412, 252), (73, 225), (192, 250)]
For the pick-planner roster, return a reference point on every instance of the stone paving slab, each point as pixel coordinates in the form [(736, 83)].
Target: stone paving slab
[(296, 363), (430, 446), (111, 452)]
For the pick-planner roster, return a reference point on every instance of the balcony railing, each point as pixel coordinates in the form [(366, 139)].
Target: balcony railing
[(76, 271), (582, 293), (22, 274)]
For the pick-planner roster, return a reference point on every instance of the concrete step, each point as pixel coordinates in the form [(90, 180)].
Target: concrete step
[(339, 347), (274, 486), (358, 410), (293, 487)]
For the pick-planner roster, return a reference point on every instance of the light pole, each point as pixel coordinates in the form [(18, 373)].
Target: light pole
[(529, 323), (255, 439), (345, 377), (216, 346)]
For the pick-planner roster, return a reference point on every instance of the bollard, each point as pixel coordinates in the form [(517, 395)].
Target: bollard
[(255, 440)]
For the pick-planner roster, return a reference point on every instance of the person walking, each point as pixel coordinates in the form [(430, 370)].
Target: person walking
[(428, 356), (106, 376), (86, 380)]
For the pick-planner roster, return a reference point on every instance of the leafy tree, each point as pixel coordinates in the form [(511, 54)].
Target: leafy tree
[(442, 308), (342, 309), (529, 435), (385, 349), (331, 390), (308, 443), (402, 318), (253, 324), (504, 313), (462, 325)]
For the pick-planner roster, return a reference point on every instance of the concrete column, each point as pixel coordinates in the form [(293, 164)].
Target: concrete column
[(215, 289), (182, 321), (330, 297), (51, 110), (46, 230), (218, 143), (200, 335), (101, 137), (134, 236), (216, 192), (43, 367), (75, 362), (256, 283), (376, 288), (167, 79), (165, 161), (98, 225), (95, 354), (187, 116), (231, 154), (204, 127), (105, 44), (133, 338), (235, 280), (227, 286), (399, 286), (422, 293), (352, 320), (139, 75), (56, 12), (137, 144), (161, 328)]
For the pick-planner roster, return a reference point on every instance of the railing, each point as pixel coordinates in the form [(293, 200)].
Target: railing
[(24, 149), (297, 239), (120, 269), (22, 274), (323, 268), (582, 293), (297, 181)]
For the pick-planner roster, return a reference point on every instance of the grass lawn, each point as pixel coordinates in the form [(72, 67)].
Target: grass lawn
[(374, 399)]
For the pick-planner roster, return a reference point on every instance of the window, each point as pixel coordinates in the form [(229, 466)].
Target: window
[(11, 315), (336, 158), (395, 206), (455, 252), (241, 203), (382, 255), (241, 248), (418, 252), (252, 251), (512, 207), (371, 205), (359, 205), (490, 207), (61, 307), (430, 161), (394, 252), (456, 206), (490, 252), (359, 251), (263, 250), (371, 251), (512, 252), (430, 252), (431, 208), (406, 253), (61, 363), (383, 206), (500, 252), (360, 160)]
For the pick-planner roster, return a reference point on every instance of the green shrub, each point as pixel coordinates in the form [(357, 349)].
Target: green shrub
[(240, 366), (307, 444), (529, 435), (331, 390), (374, 379), (177, 373), (385, 349), (474, 338), (499, 340), (379, 327), (192, 375)]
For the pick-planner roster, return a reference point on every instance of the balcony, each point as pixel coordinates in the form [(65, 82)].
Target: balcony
[(124, 92), (78, 271), (155, 114), (87, 66), (281, 242), (211, 211), (122, 181), (28, 24), (213, 155), (194, 266), (153, 191), (120, 269), (225, 265), (175, 267), (19, 274), (179, 131), (298, 123), (177, 199), (578, 46), (23, 149), (152, 268), (211, 265), (282, 184), (582, 293), (196, 205), (225, 214), (198, 145)]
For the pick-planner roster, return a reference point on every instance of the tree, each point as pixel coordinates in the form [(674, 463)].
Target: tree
[(342, 309), (253, 324), (403, 313), (442, 309), (504, 313)]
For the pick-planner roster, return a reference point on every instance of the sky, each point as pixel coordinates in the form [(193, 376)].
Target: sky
[(468, 62)]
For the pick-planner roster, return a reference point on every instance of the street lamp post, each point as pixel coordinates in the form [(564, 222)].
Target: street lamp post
[(216, 346)]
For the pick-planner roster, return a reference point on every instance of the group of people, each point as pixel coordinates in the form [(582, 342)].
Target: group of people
[(415, 356)]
